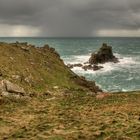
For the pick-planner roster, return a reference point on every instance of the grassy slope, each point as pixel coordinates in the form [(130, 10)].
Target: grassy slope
[(39, 69), (76, 116)]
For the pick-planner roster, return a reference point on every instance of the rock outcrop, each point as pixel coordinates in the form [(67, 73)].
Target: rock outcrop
[(7, 88), (92, 67), (104, 55), (88, 84), (74, 65)]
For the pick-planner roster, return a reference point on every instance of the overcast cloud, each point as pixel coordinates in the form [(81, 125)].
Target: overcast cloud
[(69, 18)]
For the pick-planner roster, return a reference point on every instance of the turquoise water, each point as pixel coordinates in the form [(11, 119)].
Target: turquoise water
[(123, 76)]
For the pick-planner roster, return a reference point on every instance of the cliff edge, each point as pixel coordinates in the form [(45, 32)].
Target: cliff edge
[(27, 69)]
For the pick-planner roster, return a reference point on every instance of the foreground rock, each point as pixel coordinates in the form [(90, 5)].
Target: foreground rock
[(8, 88), (104, 55)]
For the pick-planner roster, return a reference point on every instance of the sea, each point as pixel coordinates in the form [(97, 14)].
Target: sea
[(114, 77)]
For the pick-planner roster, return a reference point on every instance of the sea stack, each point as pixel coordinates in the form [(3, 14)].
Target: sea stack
[(104, 55)]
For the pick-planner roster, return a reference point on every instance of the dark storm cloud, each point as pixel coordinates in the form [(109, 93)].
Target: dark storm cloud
[(71, 17)]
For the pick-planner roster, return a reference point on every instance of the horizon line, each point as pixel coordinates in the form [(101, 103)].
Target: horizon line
[(70, 37)]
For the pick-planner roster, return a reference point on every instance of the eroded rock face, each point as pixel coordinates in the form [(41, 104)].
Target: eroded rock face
[(8, 87), (85, 83), (104, 55)]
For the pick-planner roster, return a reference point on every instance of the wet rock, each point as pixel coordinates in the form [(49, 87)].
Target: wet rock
[(70, 66), (96, 67), (74, 65), (92, 67), (104, 55)]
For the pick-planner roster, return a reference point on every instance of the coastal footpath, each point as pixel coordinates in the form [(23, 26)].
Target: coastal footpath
[(41, 98)]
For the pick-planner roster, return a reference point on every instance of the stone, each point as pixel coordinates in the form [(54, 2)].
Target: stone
[(92, 67), (104, 55), (26, 49), (87, 67), (91, 94), (46, 48), (70, 66), (5, 93), (7, 86), (74, 65), (55, 87), (2, 86), (16, 77), (96, 67), (85, 83)]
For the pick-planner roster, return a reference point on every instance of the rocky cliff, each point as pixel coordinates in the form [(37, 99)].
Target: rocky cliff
[(24, 67)]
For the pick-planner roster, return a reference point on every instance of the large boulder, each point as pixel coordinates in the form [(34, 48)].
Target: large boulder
[(8, 87), (104, 55)]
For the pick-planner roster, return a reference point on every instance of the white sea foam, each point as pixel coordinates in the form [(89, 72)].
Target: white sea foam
[(74, 59), (125, 62)]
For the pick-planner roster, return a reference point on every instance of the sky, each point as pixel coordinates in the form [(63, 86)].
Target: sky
[(69, 18)]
